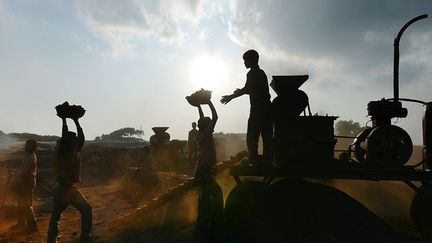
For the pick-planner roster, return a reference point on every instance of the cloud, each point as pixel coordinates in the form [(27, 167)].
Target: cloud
[(2, 14), (331, 36), (121, 23), (5, 15), (189, 10), (416, 64), (345, 46)]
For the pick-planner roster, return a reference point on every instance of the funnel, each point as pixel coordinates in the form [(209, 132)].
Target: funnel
[(287, 83), (158, 130)]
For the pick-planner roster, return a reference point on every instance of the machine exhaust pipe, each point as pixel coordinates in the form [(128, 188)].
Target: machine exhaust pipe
[(396, 56), (427, 135)]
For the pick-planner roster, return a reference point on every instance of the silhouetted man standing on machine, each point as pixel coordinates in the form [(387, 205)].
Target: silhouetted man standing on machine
[(67, 169), (260, 122)]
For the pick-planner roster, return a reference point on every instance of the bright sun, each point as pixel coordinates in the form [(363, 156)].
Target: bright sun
[(208, 72)]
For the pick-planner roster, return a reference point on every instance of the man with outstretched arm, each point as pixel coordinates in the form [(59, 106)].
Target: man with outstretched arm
[(260, 120)]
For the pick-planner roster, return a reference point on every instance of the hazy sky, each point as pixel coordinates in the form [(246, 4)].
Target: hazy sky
[(132, 62)]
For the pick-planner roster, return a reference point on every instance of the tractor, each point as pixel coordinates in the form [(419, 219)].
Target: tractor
[(304, 148)]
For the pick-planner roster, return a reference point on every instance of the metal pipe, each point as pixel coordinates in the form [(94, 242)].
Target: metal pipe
[(351, 137), (409, 100), (405, 173), (413, 186), (427, 135), (396, 56)]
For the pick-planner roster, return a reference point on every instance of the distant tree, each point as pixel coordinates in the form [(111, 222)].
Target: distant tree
[(123, 134), (138, 133), (348, 128)]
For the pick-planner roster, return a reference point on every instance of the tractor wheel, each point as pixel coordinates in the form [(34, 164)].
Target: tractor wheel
[(248, 212), (421, 212)]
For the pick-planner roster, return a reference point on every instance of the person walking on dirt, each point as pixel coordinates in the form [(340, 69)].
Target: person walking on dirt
[(192, 143), (25, 181), (260, 121), (210, 200), (67, 171)]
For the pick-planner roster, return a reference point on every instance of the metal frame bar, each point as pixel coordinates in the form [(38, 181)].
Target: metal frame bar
[(404, 174), (412, 185)]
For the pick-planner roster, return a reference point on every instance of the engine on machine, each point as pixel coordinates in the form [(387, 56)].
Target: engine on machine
[(383, 145)]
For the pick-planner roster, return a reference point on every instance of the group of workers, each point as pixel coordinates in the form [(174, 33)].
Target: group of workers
[(201, 149), (210, 199), (67, 167)]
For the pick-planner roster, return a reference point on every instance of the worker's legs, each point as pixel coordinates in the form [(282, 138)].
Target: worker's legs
[(210, 199), (204, 207), (20, 215), (60, 203), (25, 216), (252, 136), (202, 177), (27, 206), (84, 207), (216, 204)]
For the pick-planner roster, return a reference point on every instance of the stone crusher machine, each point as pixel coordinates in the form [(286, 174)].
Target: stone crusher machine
[(168, 154), (378, 153)]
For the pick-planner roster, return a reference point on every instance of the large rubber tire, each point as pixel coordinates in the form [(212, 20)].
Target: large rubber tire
[(421, 212), (313, 212), (248, 213)]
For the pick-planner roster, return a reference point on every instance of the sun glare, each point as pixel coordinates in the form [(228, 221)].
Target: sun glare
[(208, 72)]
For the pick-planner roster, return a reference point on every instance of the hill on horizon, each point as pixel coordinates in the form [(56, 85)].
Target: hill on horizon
[(7, 138)]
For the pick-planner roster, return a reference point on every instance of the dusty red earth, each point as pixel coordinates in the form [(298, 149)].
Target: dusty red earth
[(110, 198), (173, 221)]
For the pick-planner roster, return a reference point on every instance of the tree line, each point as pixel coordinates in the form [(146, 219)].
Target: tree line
[(126, 134)]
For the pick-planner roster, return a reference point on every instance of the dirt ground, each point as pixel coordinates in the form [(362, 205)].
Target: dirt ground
[(110, 198), (99, 196), (108, 202), (389, 200)]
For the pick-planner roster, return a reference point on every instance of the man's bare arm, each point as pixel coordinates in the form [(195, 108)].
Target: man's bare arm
[(237, 93), (214, 113), (80, 134), (201, 114), (64, 127)]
